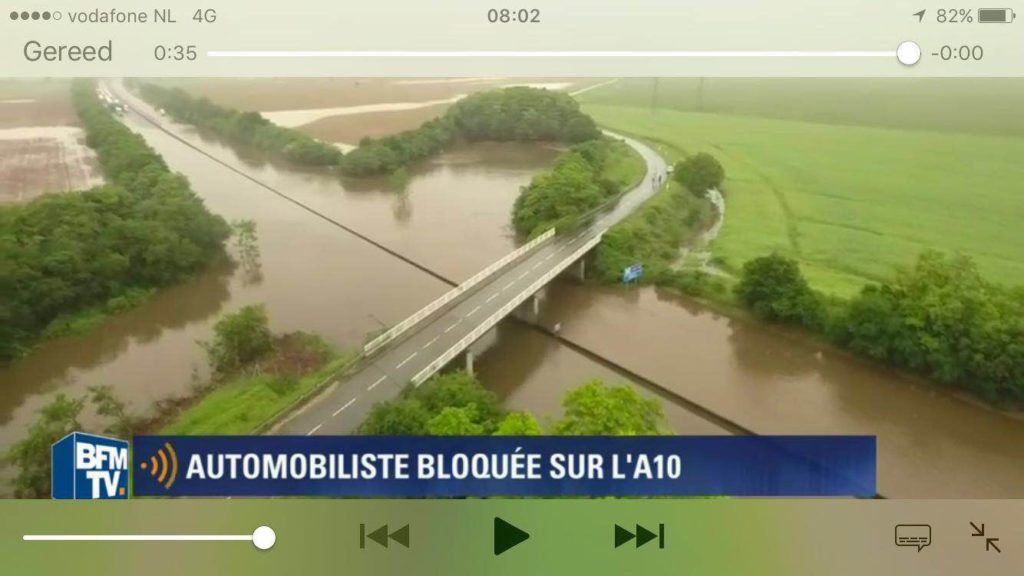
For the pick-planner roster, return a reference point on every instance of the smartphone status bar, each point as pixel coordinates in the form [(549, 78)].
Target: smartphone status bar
[(467, 37)]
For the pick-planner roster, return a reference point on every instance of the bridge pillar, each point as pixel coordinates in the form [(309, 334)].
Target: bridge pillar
[(579, 269), (529, 311), (469, 362)]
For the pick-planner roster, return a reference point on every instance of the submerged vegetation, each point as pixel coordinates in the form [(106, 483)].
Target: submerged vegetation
[(68, 260), (513, 114), (246, 128), (940, 319), (258, 376)]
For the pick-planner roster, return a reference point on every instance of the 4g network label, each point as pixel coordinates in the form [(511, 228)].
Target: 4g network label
[(504, 466)]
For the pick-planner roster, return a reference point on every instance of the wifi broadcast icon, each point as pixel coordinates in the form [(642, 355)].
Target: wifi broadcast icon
[(163, 465)]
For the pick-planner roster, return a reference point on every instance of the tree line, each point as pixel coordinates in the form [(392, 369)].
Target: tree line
[(510, 114), (940, 319), (521, 114), (62, 255), (246, 128), (457, 404)]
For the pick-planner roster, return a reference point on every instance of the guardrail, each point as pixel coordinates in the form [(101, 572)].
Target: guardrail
[(398, 329), (493, 319)]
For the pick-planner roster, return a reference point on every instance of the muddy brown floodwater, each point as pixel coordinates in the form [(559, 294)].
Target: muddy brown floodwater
[(931, 444), (314, 276), (453, 218)]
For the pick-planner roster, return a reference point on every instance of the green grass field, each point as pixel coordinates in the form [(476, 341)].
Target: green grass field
[(850, 203), (625, 166), (245, 404), (976, 105)]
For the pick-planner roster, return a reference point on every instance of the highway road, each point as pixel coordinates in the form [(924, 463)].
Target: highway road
[(346, 402)]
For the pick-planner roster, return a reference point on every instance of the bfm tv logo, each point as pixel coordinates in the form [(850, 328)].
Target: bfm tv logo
[(88, 467)]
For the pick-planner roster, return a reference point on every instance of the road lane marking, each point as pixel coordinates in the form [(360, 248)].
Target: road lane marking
[(535, 266), (452, 327), (347, 404), (523, 275), (374, 385), (509, 285), (313, 431), (549, 257), (493, 296), (403, 362), (473, 311), (427, 345)]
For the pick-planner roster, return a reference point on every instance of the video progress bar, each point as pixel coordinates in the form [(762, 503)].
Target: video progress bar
[(263, 537), (357, 54)]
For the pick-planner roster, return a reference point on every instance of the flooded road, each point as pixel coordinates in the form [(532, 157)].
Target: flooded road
[(453, 218)]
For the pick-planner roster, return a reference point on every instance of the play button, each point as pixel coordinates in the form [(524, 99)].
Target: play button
[(507, 536)]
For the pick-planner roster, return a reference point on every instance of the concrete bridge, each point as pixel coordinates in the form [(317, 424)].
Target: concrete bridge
[(444, 330)]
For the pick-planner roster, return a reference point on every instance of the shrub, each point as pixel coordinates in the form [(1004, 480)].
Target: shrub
[(239, 339), (699, 173), (774, 289)]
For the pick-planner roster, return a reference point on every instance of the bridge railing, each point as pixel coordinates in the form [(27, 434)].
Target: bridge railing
[(398, 329), (505, 310)]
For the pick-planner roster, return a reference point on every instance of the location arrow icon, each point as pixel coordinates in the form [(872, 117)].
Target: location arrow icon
[(507, 536)]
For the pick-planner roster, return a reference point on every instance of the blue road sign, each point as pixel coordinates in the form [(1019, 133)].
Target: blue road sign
[(632, 273)]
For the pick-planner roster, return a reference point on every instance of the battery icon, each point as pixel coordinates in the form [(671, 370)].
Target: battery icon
[(996, 15)]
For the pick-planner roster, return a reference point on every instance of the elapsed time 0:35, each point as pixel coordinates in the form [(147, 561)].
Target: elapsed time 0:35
[(513, 15), (175, 53)]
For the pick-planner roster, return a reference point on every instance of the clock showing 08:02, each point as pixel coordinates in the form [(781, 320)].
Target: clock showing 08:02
[(513, 15)]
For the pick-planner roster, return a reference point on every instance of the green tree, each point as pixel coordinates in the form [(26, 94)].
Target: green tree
[(511, 114), (405, 417), (460, 390), (518, 424), (598, 409), (455, 421), (123, 424), (942, 319), (699, 173), (69, 257), (249, 128), (31, 455), (562, 196), (239, 339), (774, 289)]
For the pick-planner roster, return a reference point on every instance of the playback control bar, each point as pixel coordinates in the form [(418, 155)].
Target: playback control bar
[(516, 536)]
